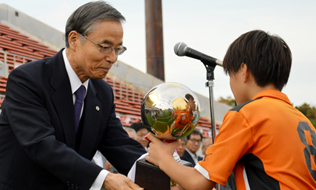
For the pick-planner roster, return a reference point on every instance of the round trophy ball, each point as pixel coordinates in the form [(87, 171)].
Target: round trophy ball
[(170, 110)]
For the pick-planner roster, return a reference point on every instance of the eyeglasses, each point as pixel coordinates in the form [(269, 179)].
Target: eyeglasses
[(195, 140), (119, 50)]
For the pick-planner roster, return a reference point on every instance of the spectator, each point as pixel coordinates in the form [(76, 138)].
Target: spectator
[(141, 132), (131, 132), (208, 141), (193, 144), (181, 147)]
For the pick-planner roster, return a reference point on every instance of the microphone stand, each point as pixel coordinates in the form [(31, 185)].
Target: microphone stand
[(210, 66)]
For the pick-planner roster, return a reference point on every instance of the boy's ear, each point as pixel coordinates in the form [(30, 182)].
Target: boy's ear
[(244, 72)]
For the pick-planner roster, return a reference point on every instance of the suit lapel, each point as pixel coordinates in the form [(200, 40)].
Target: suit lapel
[(91, 122), (189, 158), (62, 98)]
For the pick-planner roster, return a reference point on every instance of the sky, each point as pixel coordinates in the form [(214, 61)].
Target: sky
[(208, 26)]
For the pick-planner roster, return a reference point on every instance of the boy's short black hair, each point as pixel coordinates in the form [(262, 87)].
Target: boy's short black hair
[(268, 58), (189, 96), (138, 126)]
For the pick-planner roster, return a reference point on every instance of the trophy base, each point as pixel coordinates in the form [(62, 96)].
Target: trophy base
[(150, 177)]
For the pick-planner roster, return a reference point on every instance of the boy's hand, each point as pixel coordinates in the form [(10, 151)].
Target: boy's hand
[(159, 150)]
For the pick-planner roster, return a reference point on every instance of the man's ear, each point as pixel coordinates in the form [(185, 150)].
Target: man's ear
[(244, 72), (73, 39)]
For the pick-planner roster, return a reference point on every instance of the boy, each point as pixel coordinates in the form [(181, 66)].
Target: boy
[(266, 142)]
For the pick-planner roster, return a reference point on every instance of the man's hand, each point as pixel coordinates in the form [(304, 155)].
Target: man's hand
[(176, 188), (107, 166), (119, 182)]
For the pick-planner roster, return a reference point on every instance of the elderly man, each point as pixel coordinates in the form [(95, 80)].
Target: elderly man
[(141, 132), (131, 132), (181, 147), (58, 111), (193, 144), (208, 141)]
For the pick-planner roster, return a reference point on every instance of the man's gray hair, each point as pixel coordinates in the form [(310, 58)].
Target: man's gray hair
[(203, 142), (185, 139), (131, 130), (84, 18)]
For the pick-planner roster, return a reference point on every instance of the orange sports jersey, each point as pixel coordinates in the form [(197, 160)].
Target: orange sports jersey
[(182, 119), (267, 143)]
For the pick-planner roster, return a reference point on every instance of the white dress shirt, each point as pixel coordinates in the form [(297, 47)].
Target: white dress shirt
[(193, 156)]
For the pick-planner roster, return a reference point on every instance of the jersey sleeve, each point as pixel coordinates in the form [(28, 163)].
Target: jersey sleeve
[(232, 142)]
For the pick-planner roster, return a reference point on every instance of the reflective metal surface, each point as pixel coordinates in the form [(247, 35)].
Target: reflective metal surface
[(170, 110)]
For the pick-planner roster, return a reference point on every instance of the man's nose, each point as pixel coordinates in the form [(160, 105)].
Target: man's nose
[(111, 57)]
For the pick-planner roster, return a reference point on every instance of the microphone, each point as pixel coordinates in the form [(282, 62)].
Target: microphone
[(181, 49)]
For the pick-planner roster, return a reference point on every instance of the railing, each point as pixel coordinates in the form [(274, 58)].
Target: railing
[(9, 61), (131, 96), (125, 93)]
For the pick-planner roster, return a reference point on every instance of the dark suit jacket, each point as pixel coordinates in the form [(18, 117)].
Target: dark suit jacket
[(187, 157), (38, 146)]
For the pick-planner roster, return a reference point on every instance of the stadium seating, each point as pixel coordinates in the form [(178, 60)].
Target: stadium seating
[(17, 49)]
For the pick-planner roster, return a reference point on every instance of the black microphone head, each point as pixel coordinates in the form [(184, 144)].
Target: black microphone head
[(179, 48)]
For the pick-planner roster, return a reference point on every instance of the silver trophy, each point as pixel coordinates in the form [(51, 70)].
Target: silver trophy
[(171, 111)]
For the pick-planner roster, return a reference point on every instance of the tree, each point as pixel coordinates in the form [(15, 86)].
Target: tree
[(308, 111), (229, 101)]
